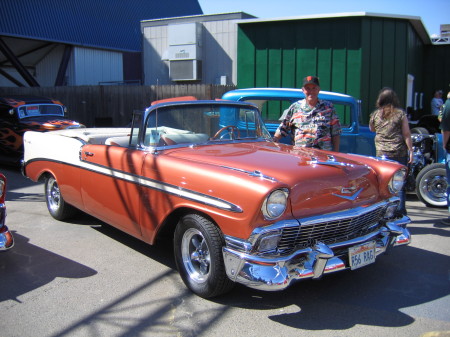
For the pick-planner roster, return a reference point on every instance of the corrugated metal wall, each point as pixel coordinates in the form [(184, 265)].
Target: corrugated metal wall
[(390, 51), (353, 55), (219, 50), (112, 24), (280, 54), (154, 46), (91, 66)]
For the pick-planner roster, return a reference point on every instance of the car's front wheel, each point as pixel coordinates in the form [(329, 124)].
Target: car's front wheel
[(431, 185), (198, 255), (56, 205)]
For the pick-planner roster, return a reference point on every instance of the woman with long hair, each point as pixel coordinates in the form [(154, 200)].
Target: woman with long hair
[(393, 137)]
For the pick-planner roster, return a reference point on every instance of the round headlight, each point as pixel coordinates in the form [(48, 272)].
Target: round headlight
[(275, 204), (397, 181)]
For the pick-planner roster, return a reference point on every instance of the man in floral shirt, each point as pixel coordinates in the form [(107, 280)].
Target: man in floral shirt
[(311, 122)]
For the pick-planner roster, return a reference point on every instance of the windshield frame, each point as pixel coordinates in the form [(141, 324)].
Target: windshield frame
[(219, 111)]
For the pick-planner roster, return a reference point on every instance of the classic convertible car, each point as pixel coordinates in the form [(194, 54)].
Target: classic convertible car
[(6, 237), (240, 208), (23, 113)]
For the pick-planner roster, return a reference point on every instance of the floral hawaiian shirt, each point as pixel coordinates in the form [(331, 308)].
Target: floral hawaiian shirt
[(311, 127)]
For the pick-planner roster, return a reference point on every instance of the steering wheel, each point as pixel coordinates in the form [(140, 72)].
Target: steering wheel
[(231, 129)]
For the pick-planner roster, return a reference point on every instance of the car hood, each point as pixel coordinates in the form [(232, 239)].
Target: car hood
[(317, 179), (48, 123)]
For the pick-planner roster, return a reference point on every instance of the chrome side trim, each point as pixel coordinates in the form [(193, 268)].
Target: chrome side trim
[(163, 187), (330, 162), (255, 173)]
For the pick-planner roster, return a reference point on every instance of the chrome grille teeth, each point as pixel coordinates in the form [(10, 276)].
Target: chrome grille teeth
[(329, 232)]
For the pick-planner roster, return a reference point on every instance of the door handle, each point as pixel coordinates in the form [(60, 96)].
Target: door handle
[(88, 154)]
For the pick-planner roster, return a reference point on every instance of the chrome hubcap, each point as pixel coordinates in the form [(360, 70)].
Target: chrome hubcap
[(53, 194), (195, 254)]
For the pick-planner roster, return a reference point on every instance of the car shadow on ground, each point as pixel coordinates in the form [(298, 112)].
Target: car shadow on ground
[(27, 267), (375, 295)]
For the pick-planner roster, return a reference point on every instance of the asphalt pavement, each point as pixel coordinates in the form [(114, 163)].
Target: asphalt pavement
[(85, 278)]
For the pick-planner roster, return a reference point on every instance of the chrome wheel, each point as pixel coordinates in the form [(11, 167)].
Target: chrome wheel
[(53, 195), (198, 253), (432, 185), (195, 255), (56, 204)]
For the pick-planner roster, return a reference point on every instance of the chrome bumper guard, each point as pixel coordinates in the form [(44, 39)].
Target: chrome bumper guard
[(272, 274)]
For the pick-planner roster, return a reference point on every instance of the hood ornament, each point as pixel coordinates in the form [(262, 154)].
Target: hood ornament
[(331, 161), (348, 190)]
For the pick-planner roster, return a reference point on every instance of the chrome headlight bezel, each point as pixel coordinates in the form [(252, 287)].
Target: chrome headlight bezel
[(397, 181), (275, 204)]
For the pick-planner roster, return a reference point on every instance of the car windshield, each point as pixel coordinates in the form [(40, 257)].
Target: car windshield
[(202, 123), (33, 110), (272, 110)]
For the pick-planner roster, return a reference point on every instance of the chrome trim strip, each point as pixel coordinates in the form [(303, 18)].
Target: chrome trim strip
[(153, 184), (255, 173), (330, 162), (160, 186)]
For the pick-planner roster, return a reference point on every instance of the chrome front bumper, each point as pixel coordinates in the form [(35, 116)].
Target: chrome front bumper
[(272, 274)]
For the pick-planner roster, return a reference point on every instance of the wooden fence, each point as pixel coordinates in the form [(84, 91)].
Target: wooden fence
[(113, 105)]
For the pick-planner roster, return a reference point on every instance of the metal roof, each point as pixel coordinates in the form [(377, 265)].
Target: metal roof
[(108, 24)]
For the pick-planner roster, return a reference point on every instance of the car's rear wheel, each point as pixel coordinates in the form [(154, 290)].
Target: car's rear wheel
[(198, 255), (431, 185), (56, 205)]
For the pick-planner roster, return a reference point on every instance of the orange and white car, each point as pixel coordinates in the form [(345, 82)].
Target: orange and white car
[(240, 208)]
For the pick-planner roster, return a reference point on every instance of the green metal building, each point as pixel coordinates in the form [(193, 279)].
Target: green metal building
[(354, 53)]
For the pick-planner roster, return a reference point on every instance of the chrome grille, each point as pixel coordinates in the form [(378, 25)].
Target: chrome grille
[(330, 231)]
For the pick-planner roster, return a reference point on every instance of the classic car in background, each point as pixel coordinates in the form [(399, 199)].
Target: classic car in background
[(6, 237), (239, 207), (426, 176), (23, 113)]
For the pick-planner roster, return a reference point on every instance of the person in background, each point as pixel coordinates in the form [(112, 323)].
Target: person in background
[(311, 122), (393, 137), (445, 130), (436, 102)]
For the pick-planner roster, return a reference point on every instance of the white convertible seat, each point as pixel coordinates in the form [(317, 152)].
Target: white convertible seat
[(123, 141), (183, 138)]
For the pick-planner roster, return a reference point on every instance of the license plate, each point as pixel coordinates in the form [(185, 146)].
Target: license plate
[(361, 255)]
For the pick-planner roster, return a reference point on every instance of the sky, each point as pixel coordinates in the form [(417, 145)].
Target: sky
[(433, 13)]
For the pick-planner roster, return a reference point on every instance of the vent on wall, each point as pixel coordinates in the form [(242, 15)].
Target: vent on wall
[(185, 70)]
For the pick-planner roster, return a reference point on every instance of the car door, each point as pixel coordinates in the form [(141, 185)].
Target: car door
[(110, 185)]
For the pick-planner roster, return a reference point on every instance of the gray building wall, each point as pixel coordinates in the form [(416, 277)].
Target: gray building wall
[(216, 49)]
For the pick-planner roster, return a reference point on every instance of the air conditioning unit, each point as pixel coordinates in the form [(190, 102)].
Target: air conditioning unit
[(185, 70), (184, 52)]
